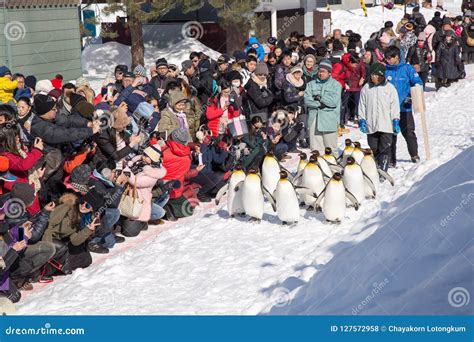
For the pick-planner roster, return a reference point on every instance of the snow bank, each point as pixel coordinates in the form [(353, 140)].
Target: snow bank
[(100, 59), (422, 250), (356, 21)]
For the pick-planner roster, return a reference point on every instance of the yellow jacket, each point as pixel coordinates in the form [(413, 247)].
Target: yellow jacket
[(6, 89)]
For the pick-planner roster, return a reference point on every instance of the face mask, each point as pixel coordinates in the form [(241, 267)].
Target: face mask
[(421, 44), (236, 83)]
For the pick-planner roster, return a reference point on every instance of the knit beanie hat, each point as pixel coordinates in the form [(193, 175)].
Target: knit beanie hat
[(56, 93), (140, 70), (153, 152), (296, 68), (4, 71), (180, 135), (186, 65), (23, 192), (326, 64), (80, 178), (261, 69), (385, 38), (30, 81), (81, 81), (377, 69), (43, 104), (161, 62), (43, 87)]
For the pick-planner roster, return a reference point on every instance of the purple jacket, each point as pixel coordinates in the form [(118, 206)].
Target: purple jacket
[(9, 256)]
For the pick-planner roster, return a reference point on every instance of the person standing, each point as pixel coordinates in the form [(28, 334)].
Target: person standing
[(379, 114), (323, 100), (403, 76)]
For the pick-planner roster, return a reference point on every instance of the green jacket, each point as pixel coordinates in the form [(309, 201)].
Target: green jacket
[(327, 110), (62, 224)]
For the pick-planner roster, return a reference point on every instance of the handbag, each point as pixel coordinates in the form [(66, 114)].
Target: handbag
[(130, 205), (238, 126)]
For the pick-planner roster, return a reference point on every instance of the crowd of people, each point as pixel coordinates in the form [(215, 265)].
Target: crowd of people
[(81, 171)]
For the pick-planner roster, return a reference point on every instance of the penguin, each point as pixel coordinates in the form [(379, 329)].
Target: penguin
[(313, 179), (271, 172), (286, 200), (334, 195), (253, 195), (331, 160), (348, 149), (234, 198), (303, 162), (353, 179), (323, 164), (373, 174), (357, 153)]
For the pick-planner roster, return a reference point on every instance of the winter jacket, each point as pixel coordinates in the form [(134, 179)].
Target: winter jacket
[(193, 115), (468, 32), (260, 50), (403, 77), (158, 82), (340, 73), (280, 75), (144, 183), (177, 162), (256, 145), (327, 110), (353, 76), (212, 155), (64, 225), (419, 56), (256, 99), (7, 87), (379, 105), (20, 167), (290, 93), (448, 61), (9, 256), (109, 192), (214, 113), (206, 81), (54, 135), (169, 120), (106, 151), (24, 92)]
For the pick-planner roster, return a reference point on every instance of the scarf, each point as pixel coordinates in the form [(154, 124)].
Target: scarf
[(183, 122), (259, 83), (297, 83)]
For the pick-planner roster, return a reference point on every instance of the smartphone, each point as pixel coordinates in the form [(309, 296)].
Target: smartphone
[(200, 158), (21, 234), (110, 92)]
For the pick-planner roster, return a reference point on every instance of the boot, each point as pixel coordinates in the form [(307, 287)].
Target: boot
[(96, 248)]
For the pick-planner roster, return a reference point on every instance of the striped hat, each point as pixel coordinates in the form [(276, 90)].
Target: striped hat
[(326, 64), (139, 70)]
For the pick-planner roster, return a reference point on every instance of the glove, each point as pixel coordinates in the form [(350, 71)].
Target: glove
[(317, 97), (407, 101), (396, 126), (363, 126)]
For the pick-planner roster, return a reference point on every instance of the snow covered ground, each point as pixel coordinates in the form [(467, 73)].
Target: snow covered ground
[(211, 264)]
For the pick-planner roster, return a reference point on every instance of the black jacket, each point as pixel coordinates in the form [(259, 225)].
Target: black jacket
[(107, 152), (256, 99), (54, 135)]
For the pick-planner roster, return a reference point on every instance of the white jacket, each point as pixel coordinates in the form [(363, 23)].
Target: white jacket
[(379, 105)]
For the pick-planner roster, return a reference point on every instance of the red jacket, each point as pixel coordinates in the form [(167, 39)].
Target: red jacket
[(177, 161), (214, 113), (19, 167), (340, 73), (353, 76)]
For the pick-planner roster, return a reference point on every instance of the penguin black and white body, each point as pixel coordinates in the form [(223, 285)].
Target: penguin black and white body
[(286, 200), (322, 164), (348, 149), (313, 179), (234, 198), (302, 163), (270, 172), (353, 179), (371, 179), (357, 153), (334, 195), (253, 194), (331, 160)]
